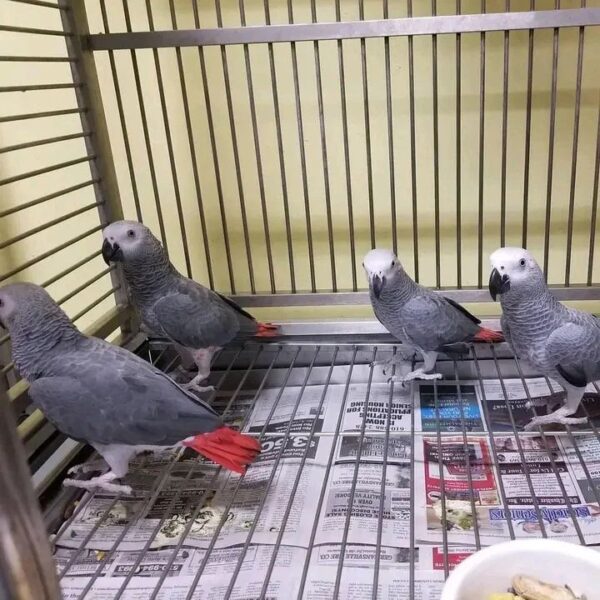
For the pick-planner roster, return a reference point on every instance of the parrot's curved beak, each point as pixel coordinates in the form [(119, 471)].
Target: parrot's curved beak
[(377, 284), (111, 252), (499, 284)]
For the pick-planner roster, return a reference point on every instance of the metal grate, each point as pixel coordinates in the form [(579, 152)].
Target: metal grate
[(336, 380)]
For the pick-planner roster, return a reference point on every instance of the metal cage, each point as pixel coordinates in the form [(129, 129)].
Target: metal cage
[(270, 145)]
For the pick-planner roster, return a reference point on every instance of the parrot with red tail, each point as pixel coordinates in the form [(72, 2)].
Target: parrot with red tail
[(197, 320), (425, 321), (108, 397)]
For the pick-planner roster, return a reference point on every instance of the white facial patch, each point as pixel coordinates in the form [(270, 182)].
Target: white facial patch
[(505, 259), (378, 261)]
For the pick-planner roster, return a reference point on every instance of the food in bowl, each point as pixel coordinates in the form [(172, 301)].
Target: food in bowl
[(530, 588)]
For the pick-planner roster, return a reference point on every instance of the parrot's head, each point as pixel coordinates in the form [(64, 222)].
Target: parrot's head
[(514, 271), (381, 267), (128, 241), (26, 302)]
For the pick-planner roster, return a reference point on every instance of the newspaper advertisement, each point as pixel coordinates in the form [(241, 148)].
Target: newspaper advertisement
[(408, 481), (525, 486)]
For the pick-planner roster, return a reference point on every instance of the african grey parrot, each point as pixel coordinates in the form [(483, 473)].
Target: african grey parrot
[(422, 319), (195, 318), (106, 396), (560, 342)]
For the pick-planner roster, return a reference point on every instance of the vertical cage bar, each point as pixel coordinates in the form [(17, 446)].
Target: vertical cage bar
[(284, 188), (213, 147), (119, 99), (330, 462), (365, 82), (26, 566), (285, 438), (309, 238), (170, 151), (361, 439), (386, 442), (290, 503), (555, 39), (436, 158), (458, 153), (481, 153), (390, 127), (506, 50), (413, 144), (594, 204), (527, 158), (313, 9), (580, 42), (147, 141), (259, 167), (192, 146), (351, 234), (89, 100), (236, 154)]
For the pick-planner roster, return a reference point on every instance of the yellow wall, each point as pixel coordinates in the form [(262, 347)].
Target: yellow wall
[(13, 133), (22, 161)]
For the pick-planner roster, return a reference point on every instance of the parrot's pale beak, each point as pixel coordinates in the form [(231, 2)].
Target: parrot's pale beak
[(111, 252), (377, 284), (499, 284)]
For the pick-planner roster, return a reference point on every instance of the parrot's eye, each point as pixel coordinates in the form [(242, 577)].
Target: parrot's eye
[(1, 302), (522, 262), (131, 233), (393, 263)]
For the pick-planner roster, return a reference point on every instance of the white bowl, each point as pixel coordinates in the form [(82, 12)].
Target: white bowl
[(491, 570)]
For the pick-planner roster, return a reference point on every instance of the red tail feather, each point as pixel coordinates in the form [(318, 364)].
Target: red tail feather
[(226, 447), (267, 330), (489, 336)]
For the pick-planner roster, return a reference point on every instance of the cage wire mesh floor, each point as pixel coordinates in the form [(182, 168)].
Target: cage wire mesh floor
[(364, 488)]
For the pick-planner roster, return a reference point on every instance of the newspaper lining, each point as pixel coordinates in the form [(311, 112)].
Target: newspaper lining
[(496, 473)]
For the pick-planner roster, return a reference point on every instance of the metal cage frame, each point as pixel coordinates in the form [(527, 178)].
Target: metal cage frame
[(81, 48)]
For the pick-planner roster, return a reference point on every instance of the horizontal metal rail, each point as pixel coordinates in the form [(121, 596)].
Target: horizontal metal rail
[(15, 29), (38, 87), (48, 224), (347, 30), (36, 59), (52, 251), (41, 115), (56, 167), (52, 140), (42, 4), (576, 292), (47, 197)]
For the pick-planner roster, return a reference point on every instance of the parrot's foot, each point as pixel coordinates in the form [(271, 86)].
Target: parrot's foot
[(389, 363), (89, 467), (561, 416), (103, 482), (416, 374), (194, 387)]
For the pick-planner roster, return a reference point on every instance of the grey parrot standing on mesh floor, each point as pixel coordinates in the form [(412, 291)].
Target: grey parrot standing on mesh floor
[(198, 320), (560, 342), (107, 396), (423, 320)]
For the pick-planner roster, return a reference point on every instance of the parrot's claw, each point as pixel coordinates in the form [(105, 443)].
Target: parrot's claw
[(417, 374), (389, 363), (194, 387), (89, 467), (560, 416), (102, 482)]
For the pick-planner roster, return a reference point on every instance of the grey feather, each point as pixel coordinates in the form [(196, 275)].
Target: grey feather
[(99, 393)]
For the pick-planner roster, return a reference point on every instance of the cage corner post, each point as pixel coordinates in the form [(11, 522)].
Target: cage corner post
[(93, 120), (27, 570)]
